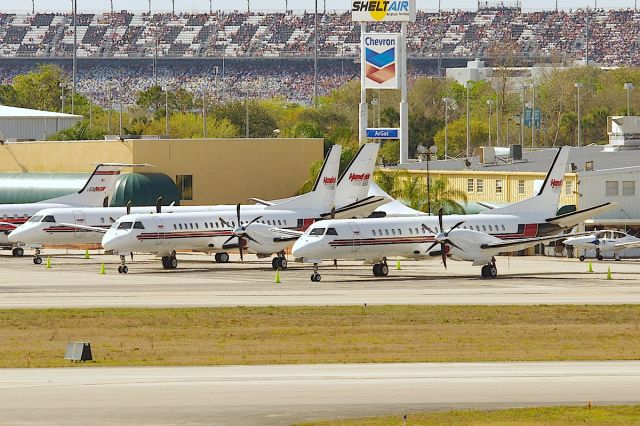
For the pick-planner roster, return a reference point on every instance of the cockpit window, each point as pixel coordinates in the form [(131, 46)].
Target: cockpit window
[(35, 218), (317, 231), (49, 218), (125, 225), (332, 231), (138, 225)]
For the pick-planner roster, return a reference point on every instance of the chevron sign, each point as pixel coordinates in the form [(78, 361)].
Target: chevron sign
[(381, 56)]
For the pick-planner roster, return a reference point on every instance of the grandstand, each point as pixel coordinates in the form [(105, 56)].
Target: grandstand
[(614, 36)]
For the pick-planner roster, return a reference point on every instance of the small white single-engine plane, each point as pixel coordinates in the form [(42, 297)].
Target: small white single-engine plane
[(477, 238), (274, 227), (603, 241), (95, 192)]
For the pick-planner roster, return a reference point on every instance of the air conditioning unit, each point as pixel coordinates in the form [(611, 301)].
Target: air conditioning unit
[(515, 152)]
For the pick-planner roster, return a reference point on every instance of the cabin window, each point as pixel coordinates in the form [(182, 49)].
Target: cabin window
[(191, 225), (373, 232), (628, 187), (49, 218), (484, 228), (611, 188), (217, 225), (437, 230), (399, 231), (285, 222), (490, 228), (317, 231), (35, 218), (206, 225), (410, 231), (424, 231), (418, 232), (568, 188), (102, 220), (386, 232), (174, 226), (186, 226), (470, 186), (477, 228), (268, 222), (138, 225), (123, 225), (184, 183), (211, 225), (332, 231), (479, 186), (521, 187), (379, 232), (498, 186), (503, 228), (180, 225), (197, 225), (393, 231)]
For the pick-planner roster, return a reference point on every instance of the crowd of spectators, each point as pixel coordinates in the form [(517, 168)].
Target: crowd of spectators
[(613, 34)]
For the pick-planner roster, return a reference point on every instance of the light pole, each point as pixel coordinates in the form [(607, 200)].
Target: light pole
[(75, 47), (432, 150), (246, 106), (578, 86), (120, 99), (166, 109), (204, 110), (524, 99), (468, 86), (109, 108), (490, 103), (533, 115), (215, 90), (62, 96), (315, 59), (628, 87), (447, 102)]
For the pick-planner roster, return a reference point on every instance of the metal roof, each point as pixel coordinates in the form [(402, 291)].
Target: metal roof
[(539, 160), (144, 188), (15, 112)]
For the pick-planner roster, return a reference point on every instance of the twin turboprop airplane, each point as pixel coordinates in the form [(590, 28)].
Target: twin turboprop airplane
[(275, 225), (96, 191), (477, 238), (604, 241)]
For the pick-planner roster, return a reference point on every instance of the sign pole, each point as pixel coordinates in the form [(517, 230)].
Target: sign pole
[(404, 108), (362, 132)]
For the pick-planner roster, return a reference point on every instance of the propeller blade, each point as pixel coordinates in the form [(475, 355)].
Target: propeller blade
[(440, 219), (228, 239), (252, 221), (238, 213), (250, 238), (454, 227), (224, 222), (443, 249), (241, 245), (335, 263), (333, 212), (435, 243), (428, 229), (451, 243)]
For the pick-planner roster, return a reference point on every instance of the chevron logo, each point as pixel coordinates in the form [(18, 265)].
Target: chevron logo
[(381, 66)]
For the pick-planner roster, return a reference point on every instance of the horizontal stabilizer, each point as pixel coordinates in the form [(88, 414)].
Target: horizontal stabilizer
[(524, 243), (572, 219), (360, 208)]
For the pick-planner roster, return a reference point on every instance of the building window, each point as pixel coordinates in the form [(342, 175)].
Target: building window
[(499, 186), (629, 187), (521, 187), (184, 183), (479, 186), (470, 186), (611, 188), (568, 188)]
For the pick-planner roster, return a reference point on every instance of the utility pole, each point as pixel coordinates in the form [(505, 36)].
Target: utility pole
[(248, 6), (578, 86), (166, 109), (497, 122), (204, 110), (586, 54), (524, 99), (446, 124), (62, 96), (246, 106), (315, 60), (173, 7), (33, 7), (628, 87), (109, 108), (489, 102), (75, 48), (120, 98), (533, 115), (111, 7), (149, 7), (468, 85)]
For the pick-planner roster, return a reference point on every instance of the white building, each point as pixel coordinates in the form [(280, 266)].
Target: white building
[(31, 124)]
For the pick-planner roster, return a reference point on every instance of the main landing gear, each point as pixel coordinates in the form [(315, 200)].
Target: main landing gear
[(315, 277), (219, 257), (17, 252), (598, 255), (381, 269), (170, 262), (490, 270), (37, 260), (280, 262), (123, 269)]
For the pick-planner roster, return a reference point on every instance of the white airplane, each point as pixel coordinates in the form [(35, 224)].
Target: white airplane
[(67, 226), (477, 238), (274, 226), (95, 192), (603, 241)]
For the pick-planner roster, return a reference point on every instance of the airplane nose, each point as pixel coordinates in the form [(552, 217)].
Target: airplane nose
[(17, 235), (300, 249), (110, 241)]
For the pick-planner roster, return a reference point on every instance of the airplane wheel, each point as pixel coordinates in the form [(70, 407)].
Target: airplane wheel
[(165, 262), (120, 269), (376, 270), (274, 263), (216, 257), (599, 257), (493, 271), (125, 269), (282, 262), (582, 258), (17, 252), (223, 257), (315, 277), (484, 271), (37, 260), (618, 259), (173, 262), (384, 270)]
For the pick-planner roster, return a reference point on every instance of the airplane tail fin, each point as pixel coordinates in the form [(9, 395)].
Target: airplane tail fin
[(322, 196), (100, 185), (354, 182), (545, 203)]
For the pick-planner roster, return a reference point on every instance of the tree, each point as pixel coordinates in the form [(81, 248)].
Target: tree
[(40, 89), (261, 123), (457, 136), (389, 152), (443, 196), (79, 131)]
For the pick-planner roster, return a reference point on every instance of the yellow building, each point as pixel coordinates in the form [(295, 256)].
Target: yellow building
[(207, 171)]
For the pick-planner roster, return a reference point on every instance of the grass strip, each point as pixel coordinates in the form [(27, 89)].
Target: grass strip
[(352, 334)]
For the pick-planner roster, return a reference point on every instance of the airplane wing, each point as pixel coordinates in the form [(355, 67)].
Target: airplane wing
[(85, 227), (360, 208), (571, 219), (263, 202), (627, 245), (523, 243), (282, 235), (486, 205), (11, 225)]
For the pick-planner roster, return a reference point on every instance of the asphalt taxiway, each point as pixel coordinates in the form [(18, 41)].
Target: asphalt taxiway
[(284, 394), (76, 282)]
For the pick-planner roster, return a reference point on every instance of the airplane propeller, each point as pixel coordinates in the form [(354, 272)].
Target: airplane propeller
[(240, 233), (442, 238)]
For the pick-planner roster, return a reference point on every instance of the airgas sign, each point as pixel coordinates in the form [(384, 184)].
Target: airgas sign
[(383, 10), (381, 59)]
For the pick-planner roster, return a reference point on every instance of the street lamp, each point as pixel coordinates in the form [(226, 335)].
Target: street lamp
[(432, 150), (120, 100), (110, 105), (533, 115), (490, 103), (468, 86), (628, 87), (447, 103), (166, 109), (204, 110), (62, 86), (578, 86)]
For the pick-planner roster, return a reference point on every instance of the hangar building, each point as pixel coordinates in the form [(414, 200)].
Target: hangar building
[(18, 124)]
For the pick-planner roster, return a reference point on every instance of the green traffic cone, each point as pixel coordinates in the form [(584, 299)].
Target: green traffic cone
[(398, 265), (590, 268), (102, 271), (277, 280), (86, 254), (609, 273), (48, 263)]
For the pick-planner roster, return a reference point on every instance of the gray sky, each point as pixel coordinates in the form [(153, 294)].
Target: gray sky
[(203, 5)]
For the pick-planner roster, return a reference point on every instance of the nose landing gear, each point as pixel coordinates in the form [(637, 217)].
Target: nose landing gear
[(123, 269), (315, 277), (37, 260)]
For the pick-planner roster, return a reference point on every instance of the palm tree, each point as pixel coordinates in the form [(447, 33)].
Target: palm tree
[(443, 196)]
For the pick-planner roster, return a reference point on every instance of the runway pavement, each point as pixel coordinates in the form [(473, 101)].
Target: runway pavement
[(75, 282), (276, 395)]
